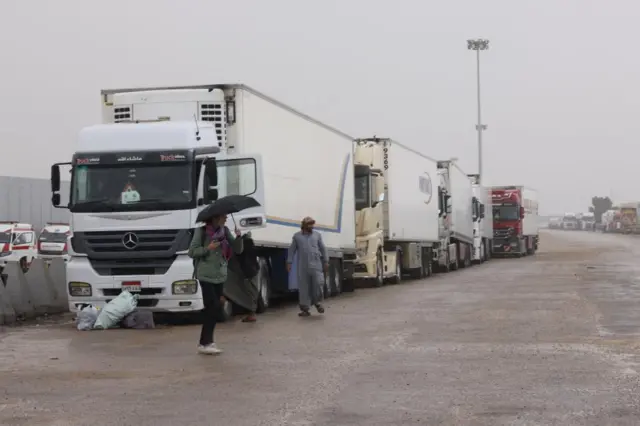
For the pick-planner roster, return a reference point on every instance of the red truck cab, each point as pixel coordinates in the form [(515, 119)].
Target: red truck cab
[(510, 233)]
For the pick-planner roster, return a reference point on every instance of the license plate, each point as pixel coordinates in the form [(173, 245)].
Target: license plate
[(131, 286)]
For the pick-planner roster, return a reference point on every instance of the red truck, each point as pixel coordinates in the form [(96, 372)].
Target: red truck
[(515, 220)]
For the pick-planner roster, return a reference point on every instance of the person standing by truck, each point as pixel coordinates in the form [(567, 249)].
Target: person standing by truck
[(211, 247), (313, 263)]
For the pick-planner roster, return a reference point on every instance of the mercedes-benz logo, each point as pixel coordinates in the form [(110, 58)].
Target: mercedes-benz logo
[(130, 240)]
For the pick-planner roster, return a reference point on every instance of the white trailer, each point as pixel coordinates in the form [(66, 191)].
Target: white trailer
[(307, 167), (456, 223), (482, 225), (396, 211)]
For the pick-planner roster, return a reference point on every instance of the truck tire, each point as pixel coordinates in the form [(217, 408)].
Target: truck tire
[(335, 274), (397, 278), (227, 311), (455, 265), (379, 280), (264, 285), (467, 255)]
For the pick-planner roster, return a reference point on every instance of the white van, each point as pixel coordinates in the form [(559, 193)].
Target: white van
[(17, 244), (53, 240)]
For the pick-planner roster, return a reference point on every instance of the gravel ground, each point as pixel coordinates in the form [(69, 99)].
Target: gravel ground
[(544, 340)]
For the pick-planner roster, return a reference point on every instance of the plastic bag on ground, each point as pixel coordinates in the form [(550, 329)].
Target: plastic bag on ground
[(87, 318), (114, 311), (139, 320)]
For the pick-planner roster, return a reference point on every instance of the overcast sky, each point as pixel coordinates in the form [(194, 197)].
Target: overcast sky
[(560, 81)]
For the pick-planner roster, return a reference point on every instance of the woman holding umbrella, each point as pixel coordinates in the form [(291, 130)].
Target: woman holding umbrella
[(211, 248)]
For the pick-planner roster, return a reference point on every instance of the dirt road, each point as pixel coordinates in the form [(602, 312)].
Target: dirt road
[(535, 341)]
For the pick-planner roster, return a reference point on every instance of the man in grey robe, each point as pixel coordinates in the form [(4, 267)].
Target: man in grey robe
[(312, 264)]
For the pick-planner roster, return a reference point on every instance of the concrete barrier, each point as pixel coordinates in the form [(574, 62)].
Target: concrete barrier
[(42, 290)]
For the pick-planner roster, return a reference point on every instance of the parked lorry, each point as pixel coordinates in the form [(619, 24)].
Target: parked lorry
[(611, 221), (515, 220), (570, 222), (304, 167), (455, 196), (588, 221), (628, 217), (482, 225), (396, 211)]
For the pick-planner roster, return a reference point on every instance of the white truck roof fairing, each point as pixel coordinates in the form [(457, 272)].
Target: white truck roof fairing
[(192, 93), (146, 136)]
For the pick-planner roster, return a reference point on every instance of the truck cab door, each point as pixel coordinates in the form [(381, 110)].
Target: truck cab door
[(242, 175)]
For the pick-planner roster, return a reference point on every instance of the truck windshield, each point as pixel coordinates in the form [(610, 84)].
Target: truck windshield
[(132, 187), (506, 213), (362, 192), (53, 237)]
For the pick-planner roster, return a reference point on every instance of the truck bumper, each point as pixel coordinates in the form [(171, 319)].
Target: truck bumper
[(509, 247), (364, 268), (156, 290)]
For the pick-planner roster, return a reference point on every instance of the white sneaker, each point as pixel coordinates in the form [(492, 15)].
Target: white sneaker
[(210, 349)]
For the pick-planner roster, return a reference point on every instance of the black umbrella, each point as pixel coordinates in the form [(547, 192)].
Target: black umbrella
[(227, 205)]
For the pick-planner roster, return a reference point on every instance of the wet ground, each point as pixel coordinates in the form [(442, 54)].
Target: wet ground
[(544, 340)]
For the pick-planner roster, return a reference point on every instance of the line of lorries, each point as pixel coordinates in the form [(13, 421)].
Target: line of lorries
[(386, 211), (19, 243), (574, 222)]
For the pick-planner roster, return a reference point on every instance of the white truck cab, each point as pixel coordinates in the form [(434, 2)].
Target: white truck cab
[(53, 241), (17, 244), (482, 224), (136, 190)]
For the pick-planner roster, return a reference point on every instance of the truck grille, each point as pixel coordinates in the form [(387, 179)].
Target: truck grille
[(502, 233), (153, 252), (111, 242)]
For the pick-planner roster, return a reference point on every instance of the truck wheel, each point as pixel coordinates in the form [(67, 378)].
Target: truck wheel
[(455, 265), (264, 285), (467, 255), (335, 273), (326, 288), (379, 281), (24, 265), (227, 310), (397, 278)]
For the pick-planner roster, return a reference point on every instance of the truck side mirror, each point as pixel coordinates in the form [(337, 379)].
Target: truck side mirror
[(55, 179), (212, 195), (521, 212), (481, 211), (55, 199), (212, 172)]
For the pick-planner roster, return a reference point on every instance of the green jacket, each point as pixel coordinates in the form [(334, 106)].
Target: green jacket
[(210, 265)]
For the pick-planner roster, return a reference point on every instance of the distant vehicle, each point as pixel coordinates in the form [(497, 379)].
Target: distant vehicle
[(515, 220), (17, 244), (53, 240), (570, 222), (555, 223), (587, 222), (611, 221)]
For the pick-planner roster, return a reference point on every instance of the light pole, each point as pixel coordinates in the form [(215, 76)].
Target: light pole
[(478, 45)]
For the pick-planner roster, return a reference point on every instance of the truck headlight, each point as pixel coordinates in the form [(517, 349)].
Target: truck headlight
[(79, 289), (185, 287)]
